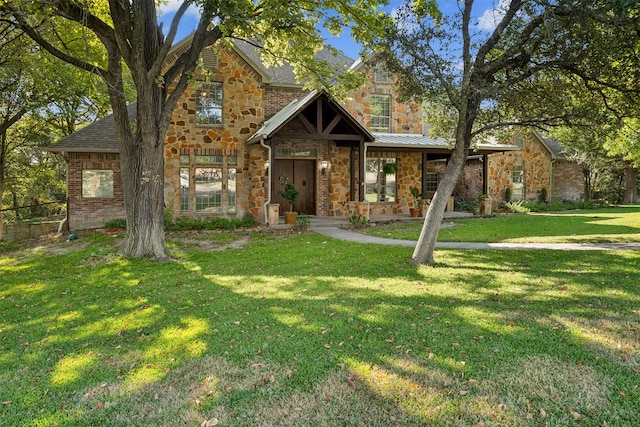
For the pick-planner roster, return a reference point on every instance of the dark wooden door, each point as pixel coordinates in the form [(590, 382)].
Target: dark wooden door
[(302, 174)]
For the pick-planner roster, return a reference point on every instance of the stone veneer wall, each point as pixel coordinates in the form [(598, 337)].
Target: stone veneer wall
[(567, 182), (243, 113), (533, 159), (92, 212), (340, 179), (405, 118)]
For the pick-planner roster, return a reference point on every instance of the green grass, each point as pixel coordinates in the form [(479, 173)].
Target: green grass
[(302, 330), (617, 224)]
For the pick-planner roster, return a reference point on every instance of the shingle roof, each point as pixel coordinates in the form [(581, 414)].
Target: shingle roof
[(98, 137), (284, 75), (557, 150)]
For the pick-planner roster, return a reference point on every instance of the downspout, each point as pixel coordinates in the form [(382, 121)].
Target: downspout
[(550, 195), (268, 202)]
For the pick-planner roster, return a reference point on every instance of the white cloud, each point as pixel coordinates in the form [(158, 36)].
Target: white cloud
[(492, 16), (170, 6)]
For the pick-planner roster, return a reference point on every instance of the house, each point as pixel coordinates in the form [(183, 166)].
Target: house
[(541, 164), (241, 135)]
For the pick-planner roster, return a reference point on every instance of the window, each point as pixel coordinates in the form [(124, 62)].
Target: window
[(97, 183), (380, 113), (430, 181), (208, 185), (517, 179), (380, 75), (380, 179), (209, 104)]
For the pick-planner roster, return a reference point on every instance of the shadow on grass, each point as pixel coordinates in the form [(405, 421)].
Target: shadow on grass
[(310, 331)]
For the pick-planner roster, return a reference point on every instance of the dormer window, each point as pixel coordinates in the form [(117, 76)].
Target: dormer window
[(209, 104), (380, 75)]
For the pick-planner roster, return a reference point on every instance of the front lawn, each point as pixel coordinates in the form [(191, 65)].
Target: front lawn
[(616, 224), (301, 330)]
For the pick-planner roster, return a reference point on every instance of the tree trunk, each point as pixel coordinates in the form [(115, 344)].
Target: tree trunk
[(423, 252), (631, 185), (3, 137), (142, 169)]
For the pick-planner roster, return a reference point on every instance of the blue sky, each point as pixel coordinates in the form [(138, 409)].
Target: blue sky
[(485, 12)]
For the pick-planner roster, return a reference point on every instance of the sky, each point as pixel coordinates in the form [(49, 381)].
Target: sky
[(486, 13)]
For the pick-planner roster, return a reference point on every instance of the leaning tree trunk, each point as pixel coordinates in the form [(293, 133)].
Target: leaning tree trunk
[(423, 252), (631, 185)]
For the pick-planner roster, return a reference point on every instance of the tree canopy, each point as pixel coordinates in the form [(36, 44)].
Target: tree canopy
[(519, 70), (117, 35)]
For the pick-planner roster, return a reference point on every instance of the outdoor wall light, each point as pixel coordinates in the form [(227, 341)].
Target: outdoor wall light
[(324, 165), (266, 165)]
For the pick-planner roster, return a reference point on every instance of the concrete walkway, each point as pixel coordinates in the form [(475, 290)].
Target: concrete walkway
[(332, 227)]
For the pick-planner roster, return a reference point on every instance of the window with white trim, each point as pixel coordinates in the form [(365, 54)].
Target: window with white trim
[(97, 183), (380, 75), (517, 190), (380, 113), (209, 104)]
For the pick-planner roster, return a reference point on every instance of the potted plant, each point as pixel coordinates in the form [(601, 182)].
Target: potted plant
[(290, 194), (417, 196)]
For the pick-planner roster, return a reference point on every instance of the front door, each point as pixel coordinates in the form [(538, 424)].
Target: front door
[(302, 174)]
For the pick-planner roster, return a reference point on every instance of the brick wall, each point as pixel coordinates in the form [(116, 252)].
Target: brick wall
[(568, 181), (92, 212), (276, 98)]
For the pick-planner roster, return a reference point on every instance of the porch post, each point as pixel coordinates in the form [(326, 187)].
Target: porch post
[(361, 174), (352, 176), (423, 178), (485, 173)]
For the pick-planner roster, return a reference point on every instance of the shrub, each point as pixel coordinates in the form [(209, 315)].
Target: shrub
[(358, 219), (116, 223), (507, 195), (303, 221), (218, 223), (517, 207), (542, 197)]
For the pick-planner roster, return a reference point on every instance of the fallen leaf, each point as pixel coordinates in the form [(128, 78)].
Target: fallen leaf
[(576, 416), (464, 392), (543, 413), (327, 345), (351, 383), (210, 423), (529, 416), (99, 405)]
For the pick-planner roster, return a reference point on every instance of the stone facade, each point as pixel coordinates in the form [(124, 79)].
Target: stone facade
[(534, 160), (405, 117), (92, 212), (246, 103), (242, 115)]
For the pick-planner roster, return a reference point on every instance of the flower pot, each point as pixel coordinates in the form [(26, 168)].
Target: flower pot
[(290, 217), (414, 212)]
